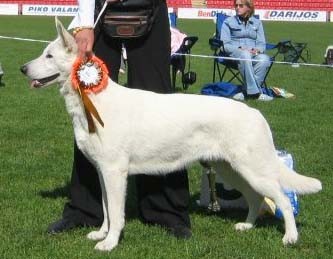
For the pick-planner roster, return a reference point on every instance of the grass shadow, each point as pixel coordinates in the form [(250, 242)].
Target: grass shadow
[(58, 192), (238, 215), (131, 209)]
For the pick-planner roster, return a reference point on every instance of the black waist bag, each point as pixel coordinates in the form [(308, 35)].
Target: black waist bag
[(128, 19)]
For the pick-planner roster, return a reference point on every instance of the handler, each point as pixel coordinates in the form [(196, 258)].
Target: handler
[(162, 200)]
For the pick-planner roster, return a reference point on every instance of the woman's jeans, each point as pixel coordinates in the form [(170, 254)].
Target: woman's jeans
[(252, 72)]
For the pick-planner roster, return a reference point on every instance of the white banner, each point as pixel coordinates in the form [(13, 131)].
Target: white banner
[(9, 9), (202, 13), (185, 13), (292, 15), (268, 15), (50, 10)]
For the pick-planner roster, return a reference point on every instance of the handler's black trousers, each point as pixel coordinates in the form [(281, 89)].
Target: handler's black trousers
[(162, 200)]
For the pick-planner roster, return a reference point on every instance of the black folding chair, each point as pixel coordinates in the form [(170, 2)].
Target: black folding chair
[(293, 51), (1, 75), (178, 62)]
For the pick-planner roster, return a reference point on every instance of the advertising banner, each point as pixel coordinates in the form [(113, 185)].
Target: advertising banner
[(9, 9), (50, 10), (183, 13), (202, 13), (268, 15), (292, 15)]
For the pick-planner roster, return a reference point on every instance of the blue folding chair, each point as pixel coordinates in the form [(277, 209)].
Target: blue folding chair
[(173, 20), (218, 47), (178, 62), (229, 66)]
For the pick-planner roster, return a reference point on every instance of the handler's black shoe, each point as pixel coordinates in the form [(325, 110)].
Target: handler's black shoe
[(180, 232), (61, 225)]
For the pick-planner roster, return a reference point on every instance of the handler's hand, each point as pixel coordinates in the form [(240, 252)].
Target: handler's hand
[(85, 41)]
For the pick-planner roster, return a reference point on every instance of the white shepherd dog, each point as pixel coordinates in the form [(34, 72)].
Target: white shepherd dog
[(151, 133)]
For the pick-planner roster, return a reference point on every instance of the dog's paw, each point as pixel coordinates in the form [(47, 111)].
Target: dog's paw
[(290, 239), (97, 235), (105, 245), (243, 226)]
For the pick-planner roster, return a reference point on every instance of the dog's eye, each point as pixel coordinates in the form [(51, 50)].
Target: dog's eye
[(49, 56)]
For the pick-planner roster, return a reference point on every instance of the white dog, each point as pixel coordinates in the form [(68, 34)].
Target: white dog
[(151, 133)]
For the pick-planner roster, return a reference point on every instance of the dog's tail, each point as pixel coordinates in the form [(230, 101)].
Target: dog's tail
[(301, 184)]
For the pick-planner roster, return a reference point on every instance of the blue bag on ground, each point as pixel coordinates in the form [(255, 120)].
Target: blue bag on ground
[(223, 89), (288, 161), (227, 89), (268, 206)]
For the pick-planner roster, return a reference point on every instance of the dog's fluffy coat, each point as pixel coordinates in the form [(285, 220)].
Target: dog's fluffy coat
[(151, 133)]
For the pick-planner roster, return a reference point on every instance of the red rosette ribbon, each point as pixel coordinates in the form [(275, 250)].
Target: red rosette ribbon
[(91, 76)]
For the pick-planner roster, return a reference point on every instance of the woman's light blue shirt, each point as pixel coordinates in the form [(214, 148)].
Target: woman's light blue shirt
[(235, 34)]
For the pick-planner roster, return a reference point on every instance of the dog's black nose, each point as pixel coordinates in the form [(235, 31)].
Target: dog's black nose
[(24, 69)]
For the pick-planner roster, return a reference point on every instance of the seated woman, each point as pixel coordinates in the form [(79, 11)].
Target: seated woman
[(243, 37)]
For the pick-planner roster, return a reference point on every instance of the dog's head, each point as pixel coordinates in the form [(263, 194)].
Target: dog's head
[(55, 63)]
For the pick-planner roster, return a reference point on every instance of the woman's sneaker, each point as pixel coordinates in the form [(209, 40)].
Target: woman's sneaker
[(265, 98), (238, 97)]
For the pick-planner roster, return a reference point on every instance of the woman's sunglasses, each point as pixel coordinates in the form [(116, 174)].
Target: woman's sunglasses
[(239, 5)]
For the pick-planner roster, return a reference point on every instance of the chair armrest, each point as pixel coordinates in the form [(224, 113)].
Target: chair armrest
[(187, 44), (215, 43), (270, 46)]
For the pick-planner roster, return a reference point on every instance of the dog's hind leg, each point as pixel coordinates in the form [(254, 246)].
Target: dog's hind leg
[(102, 232), (115, 185), (280, 199), (273, 190), (254, 201), (253, 198)]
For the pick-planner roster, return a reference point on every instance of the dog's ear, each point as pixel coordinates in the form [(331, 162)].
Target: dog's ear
[(67, 39)]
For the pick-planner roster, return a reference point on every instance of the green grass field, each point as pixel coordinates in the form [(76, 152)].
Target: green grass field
[(36, 141)]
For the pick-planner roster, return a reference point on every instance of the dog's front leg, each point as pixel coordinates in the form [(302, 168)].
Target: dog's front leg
[(115, 183), (104, 229)]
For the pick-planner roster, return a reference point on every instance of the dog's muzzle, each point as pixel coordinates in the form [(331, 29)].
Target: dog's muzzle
[(39, 82), (43, 81), (24, 69)]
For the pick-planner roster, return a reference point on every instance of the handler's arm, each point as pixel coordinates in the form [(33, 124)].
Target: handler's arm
[(83, 24)]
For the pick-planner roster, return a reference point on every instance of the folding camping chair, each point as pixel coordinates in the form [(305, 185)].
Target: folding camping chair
[(229, 66), (1, 74), (293, 51), (218, 47), (178, 62)]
